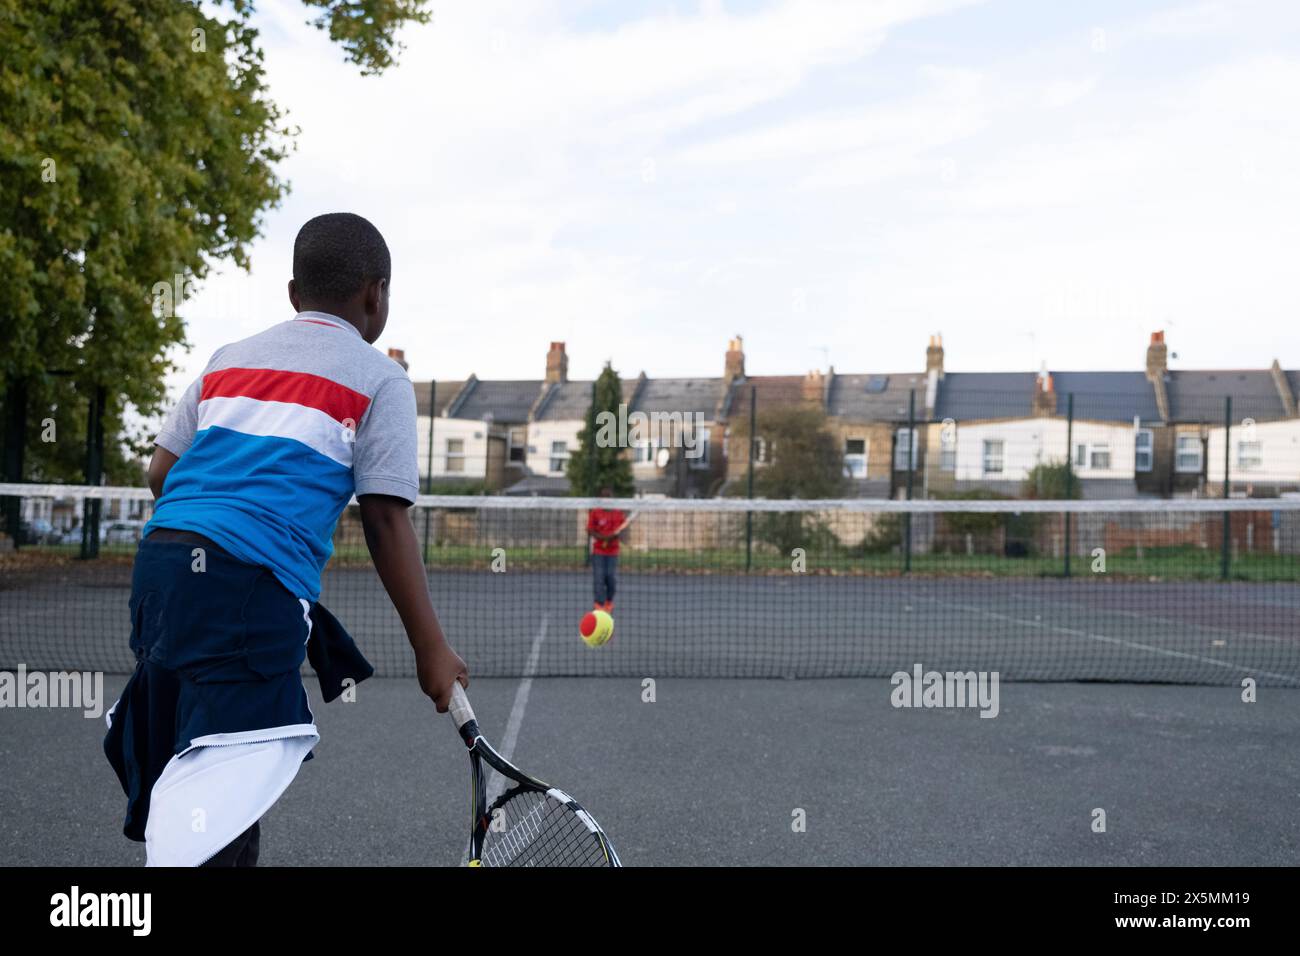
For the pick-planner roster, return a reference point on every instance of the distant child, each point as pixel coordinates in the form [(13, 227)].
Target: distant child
[(604, 525), (251, 472)]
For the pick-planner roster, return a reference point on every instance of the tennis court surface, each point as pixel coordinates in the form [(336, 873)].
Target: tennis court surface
[(1121, 685)]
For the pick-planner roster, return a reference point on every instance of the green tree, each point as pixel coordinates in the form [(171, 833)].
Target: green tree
[(801, 459), (138, 144), (1052, 480), (611, 466)]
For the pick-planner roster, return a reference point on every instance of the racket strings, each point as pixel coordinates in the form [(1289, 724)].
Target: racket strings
[(541, 831)]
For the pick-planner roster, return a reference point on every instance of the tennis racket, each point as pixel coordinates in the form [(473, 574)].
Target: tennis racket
[(532, 823)]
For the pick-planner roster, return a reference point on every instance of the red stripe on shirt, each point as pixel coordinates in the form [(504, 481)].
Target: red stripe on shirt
[(298, 388)]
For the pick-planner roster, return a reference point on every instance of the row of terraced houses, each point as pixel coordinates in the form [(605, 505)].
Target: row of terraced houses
[(1157, 432)]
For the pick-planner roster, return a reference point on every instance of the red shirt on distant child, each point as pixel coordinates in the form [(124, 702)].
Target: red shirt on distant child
[(604, 521)]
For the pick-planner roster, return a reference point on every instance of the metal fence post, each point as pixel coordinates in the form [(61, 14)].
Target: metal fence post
[(753, 441), (428, 467), (1226, 558), (911, 463), (1069, 471)]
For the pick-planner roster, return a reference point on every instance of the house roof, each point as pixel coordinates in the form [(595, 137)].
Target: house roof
[(445, 394), (1106, 396), (497, 401), (690, 396), (975, 395), (1099, 396), (769, 391), (1198, 395), (569, 401), (876, 397), (1194, 396)]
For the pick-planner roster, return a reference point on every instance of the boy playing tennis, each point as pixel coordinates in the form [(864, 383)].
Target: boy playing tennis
[(251, 472), (604, 525)]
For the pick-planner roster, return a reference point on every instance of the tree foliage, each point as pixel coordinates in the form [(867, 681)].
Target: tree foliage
[(801, 459), (138, 143), (1052, 480), (611, 466)]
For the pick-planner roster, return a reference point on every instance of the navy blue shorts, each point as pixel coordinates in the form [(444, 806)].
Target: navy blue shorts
[(218, 650)]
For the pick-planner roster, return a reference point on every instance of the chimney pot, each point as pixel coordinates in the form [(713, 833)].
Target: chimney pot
[(1157, 357), (557, 364), (734, 366)]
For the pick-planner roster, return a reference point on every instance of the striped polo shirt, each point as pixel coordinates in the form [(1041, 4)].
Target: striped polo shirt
[(278, 434)]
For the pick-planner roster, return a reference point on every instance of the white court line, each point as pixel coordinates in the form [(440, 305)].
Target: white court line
[(495, 784), (1106, 639), (1170, 621)]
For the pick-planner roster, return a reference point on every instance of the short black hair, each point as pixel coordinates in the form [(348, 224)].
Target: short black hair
[(336, 254)]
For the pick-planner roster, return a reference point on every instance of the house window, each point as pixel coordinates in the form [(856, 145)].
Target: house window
[(559, 456), (455, 454), (855, 458), (518, 448), (948, 448), (993, 455), (1187, 456), (1250, 455), (1095, 455), (701, 451), (1142, 450), (760, 449), (903, 444)]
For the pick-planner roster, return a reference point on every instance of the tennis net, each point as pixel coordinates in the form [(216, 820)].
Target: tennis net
[(1189, 591)]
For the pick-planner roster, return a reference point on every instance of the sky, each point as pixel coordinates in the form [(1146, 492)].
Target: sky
[(1040, 183)]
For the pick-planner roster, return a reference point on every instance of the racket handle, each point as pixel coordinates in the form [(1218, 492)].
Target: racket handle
[(461, 711)]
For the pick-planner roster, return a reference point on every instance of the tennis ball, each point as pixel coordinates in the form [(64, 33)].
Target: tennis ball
[(596, 628)]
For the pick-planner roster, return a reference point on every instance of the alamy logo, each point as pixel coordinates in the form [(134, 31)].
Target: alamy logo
[(923, 688), (84, 690), (75, 908), (626, 429)]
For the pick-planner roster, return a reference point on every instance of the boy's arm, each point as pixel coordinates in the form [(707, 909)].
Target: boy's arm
[(176, 436), (159, 465), (391, 540)]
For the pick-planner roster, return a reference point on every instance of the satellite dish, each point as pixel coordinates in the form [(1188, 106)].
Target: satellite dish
[(661, 457)]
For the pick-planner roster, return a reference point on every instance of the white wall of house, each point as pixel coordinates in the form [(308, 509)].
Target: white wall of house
[(1266, 452), (459, 447), (1108, 448), (542, 454)]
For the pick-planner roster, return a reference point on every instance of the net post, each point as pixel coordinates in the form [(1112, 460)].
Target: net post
[(590, 449), (911, 461), (15, 425), (753, 439), (1226, 557), (1069, 471), (92, 508), (428, 466)]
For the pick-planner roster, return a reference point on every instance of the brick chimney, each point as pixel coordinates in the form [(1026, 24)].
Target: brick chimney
[(1044, 402), (1157, 368), (557, 364), (399, 356), (1157, 357), (735, 365), (933, 372), (934, 356), (814, 387)]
